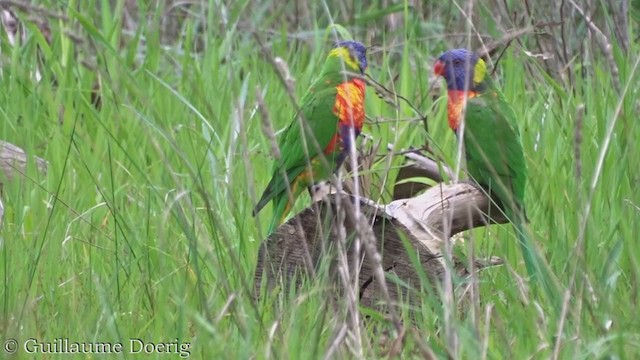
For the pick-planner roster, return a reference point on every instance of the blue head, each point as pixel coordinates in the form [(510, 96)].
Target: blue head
[(462, 69), (353, 53)]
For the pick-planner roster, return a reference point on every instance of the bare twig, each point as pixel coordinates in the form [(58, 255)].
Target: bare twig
[(559, 337), (267, 127), (425, 349), (337, 340), (605, 45), (551, 66), (564, 44), (489, 49), (621, 23), (378, 86), (577, 138)]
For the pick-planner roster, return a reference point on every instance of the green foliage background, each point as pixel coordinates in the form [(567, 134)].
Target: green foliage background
[(141, 227)]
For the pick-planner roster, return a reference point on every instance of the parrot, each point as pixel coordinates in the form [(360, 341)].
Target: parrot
[(493, 150), (323, 131)]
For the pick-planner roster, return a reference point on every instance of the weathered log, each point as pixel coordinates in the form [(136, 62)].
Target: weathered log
[(13, 162), (417, 165), (425, 221)]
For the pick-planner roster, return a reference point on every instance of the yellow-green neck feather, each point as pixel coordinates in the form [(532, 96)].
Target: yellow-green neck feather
[(479, 72), (345, 55)]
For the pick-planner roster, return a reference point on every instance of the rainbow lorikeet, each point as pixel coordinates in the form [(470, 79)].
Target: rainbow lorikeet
[(493, 151), (332, 117)]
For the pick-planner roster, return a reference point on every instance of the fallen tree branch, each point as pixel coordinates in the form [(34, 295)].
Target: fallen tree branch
[(416, 164), (13, 162), (424, 221)]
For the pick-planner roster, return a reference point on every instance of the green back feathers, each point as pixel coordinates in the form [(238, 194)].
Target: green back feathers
[(315, 124), (493, 149)]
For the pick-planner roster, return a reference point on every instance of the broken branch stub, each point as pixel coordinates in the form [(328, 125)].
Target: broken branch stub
[(423, 222), (13, 161)]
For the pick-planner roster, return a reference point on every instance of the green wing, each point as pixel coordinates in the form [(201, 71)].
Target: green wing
[(297, 144), (495, 158)]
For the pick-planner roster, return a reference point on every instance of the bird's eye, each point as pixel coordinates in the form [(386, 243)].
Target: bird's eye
[(457, 62)]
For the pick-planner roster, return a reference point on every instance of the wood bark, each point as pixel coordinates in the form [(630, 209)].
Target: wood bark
[(13, 164), (403, 229)]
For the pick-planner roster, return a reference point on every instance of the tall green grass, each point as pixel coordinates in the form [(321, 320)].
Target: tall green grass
[(142, 227)]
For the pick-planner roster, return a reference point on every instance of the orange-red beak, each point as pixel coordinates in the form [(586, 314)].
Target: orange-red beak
[(438, 68)]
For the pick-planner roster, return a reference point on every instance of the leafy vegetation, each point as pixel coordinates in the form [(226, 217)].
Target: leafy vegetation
[(142, 229)]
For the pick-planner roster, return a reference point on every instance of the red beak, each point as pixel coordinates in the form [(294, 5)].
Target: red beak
[(438, 68)]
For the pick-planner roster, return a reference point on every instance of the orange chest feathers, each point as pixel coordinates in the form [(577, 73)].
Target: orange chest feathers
[(349, 104), (455, 105), (349, 108)]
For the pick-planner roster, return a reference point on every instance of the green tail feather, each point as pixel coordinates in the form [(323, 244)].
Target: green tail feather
[(528, 252), (537, 268), (280, 210)]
